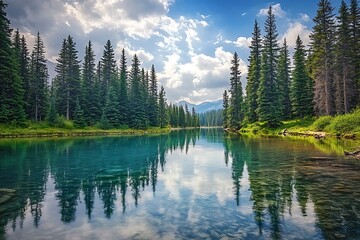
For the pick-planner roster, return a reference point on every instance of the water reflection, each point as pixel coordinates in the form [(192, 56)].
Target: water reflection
[(202, 184)]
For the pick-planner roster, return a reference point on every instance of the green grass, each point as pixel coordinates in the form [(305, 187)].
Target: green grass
[(341, 125), (42, 129)]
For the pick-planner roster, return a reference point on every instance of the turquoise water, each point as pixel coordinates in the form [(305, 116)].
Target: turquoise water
[(185, 185)]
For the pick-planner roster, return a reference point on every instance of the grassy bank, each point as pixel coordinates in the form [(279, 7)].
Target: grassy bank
[(347, 126), (42, 129)]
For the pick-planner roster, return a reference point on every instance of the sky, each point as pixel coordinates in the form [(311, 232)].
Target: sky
[(190, 43)]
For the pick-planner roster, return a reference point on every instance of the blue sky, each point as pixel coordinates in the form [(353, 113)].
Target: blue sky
[(191, 43)]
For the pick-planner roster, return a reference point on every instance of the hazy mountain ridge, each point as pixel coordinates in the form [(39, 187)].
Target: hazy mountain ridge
[(203, 107)]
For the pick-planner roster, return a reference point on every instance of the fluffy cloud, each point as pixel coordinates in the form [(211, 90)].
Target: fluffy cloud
[(204, 77), (293, 31), (276, 8), (241, 42)]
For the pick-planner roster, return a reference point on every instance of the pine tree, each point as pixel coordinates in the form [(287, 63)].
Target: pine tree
[(300, 90), (108, 70), (354, 27), (67, 80), (137, 108), (25, 73), (111, 109), (322, 41), (269, 98), (89, 103), (22, 58), (194, 122), (187, 116), (253, 78), (11, 90), (236, 99), (225, 110), (163, 113), (345, 70), (153, 96), (283, 79), (79, 120), (38, 82), (182, 117), (123, 91)]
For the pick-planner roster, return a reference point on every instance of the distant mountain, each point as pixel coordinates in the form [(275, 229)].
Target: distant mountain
[(203, 107)]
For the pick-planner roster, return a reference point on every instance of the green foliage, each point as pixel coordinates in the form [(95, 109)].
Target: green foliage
[(321, 123), (269, 96), (343, 124), (253, 75), (236, 110), (62, 122), (79, 120)]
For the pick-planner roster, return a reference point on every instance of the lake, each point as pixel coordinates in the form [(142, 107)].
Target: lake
[(184, 185)]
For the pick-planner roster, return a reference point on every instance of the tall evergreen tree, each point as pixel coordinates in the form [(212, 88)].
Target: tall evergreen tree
[(52, 115), (123, 91), (137, 107), (236, 100), (153, 96), (111, 109), (163, 113), (11, 89), (269, 96), (79, 120), (253, 78), (354, 26), (345, 70), (301, 87), (39, 81), (226, 110), (25, 73), (322, 41), (283, 79), (67, 79), (108, 70), (90, 104)]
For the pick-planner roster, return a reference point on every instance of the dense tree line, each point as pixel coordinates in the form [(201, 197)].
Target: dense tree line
[(324, 79), (104, 94), (211, 118), (180, 116)]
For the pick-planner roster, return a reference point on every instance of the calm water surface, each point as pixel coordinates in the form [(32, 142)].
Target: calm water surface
[(185, 185)]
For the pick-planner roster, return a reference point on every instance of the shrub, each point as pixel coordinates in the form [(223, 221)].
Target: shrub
[(62, 122), (345, 123), (321, 123)]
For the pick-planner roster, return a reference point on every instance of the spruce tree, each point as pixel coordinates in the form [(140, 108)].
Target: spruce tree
[(153, 96), (322, 41), (225, 110), (163, 113), (111, 109), (108, 70), (236, 100), (269, 95), (137, 108), (25, 73), (187, 116), (283, 79), (90, 105), (11, 90), (39, 81), (194, 122), (345, 70), (354, 27), (253, 78), (123, 91), (300, 91), (67, 80), (79, 120)]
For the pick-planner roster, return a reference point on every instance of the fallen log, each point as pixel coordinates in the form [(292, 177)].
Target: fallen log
[(355, 153)]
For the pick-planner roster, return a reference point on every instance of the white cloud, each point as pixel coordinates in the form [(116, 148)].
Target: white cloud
[(241, 42), (304, 17), (203, 77), (293, 31), (276, 8)]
